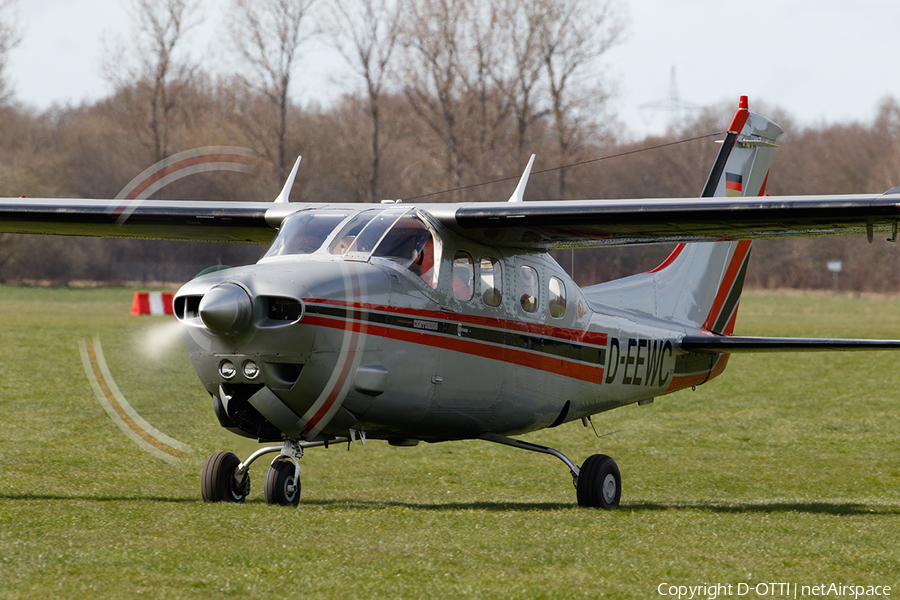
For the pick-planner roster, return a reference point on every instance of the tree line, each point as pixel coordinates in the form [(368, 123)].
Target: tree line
[(449, 94)]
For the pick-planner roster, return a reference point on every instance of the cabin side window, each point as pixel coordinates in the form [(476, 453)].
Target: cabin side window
[(491, 275), (557, 301), (463, 276), (528, 289)]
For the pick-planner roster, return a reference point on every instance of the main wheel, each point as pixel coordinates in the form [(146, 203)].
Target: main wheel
[(599, 483), (281, 485), (217, 483)]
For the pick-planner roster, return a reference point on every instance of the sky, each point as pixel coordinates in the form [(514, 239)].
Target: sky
[(826, 61)]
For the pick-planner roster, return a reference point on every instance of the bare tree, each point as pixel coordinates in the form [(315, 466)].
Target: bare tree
[(574, 34), (450, 78), (268, 35), (155, 76), (433, 37), (521, 84), (9, 39), (484, 51), (366, 33)]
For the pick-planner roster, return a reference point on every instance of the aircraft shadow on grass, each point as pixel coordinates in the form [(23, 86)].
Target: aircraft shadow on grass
[(770, 507)]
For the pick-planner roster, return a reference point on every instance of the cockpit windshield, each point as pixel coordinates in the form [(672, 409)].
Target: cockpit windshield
[(305, 232), (412, 245), (363, 232), (397, 234), (404, 242)]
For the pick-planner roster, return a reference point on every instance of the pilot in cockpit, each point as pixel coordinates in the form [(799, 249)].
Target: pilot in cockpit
[(343, 244), (423, 265)]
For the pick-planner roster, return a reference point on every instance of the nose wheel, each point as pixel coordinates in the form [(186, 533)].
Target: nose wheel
[(282, 483)]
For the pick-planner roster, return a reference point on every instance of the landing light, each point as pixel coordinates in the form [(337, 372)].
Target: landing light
[(251, 369), (227, 369)]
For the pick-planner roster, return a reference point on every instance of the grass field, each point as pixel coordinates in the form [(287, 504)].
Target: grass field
[(785, 469)]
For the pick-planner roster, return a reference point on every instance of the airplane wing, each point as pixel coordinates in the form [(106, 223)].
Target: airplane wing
[(539, 225), (596, 223), (243, 222)]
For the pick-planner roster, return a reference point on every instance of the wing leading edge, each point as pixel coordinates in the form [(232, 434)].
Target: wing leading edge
[(540, 225), (242, 222), (598, 223)]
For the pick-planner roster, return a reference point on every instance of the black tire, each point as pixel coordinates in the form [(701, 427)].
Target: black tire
[(280, 487), (599, 483), (217, 482)]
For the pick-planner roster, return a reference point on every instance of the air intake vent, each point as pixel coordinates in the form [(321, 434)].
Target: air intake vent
[(281, 376), (283, 309), (187, 307)]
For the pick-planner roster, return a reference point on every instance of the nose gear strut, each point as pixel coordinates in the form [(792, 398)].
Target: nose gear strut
[(226, 479)]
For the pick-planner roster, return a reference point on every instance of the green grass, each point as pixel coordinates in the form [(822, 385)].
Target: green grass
[(786, 468)]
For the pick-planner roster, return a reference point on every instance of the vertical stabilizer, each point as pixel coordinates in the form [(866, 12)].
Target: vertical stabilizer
[(700, 284), (742, 165)]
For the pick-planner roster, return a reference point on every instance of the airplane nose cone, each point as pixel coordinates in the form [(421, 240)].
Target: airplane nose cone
[(226, 309)]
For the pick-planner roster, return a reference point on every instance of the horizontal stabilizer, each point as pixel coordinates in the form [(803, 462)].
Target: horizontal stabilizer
[(730, 344)]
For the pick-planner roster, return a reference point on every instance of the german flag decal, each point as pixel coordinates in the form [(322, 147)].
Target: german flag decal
[(734, 185)]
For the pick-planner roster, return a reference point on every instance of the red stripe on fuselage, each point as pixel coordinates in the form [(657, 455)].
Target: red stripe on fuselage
[(536, 360), (572, 335)]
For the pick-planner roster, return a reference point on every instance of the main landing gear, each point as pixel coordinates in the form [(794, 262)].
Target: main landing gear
[(598, 483), (226, 479)]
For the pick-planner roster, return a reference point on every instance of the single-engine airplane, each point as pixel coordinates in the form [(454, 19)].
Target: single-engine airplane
[(436, 322)]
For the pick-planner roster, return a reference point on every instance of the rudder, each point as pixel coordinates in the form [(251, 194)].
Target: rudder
[(700, 283)]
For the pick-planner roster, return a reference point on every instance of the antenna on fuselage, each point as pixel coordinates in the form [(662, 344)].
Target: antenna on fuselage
[(519, 194), (285, 195)]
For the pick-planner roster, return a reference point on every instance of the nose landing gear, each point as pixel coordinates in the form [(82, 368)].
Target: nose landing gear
[(226, 479), (283, 477)]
